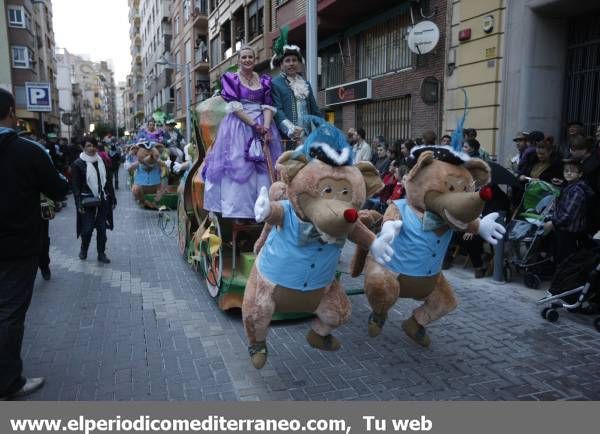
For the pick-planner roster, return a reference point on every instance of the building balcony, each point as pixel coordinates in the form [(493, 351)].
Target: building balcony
[(133, 31), (200, 57), (165, 11)]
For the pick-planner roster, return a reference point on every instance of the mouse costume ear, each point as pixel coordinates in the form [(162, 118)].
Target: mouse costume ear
[(289, 164)]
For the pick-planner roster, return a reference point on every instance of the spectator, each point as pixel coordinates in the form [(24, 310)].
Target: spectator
[(570, 212), (393, 151), (352, 136), (446, 140), (546, 165), (521, 144), (381, 161), (471, 148), (528, 156), (469, 133), (574, 129), (405, 150), (94, 199), (362, 150), (377, 140), (582, 149), (429, 138), (26, 171), (114, 154)]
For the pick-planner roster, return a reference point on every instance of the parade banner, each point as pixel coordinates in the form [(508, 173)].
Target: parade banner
[(297, 417)]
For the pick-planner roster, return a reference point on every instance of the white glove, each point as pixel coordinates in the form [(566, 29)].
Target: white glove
[(489, 230), (381, 249), (262, 206), (176, 167)]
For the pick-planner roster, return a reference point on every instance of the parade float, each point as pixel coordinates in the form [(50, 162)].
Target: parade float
[(219, 249)]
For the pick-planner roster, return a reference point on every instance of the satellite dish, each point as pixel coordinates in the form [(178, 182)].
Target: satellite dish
[(423, 37)]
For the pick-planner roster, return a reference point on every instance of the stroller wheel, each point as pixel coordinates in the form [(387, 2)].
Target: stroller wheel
[(597, 324), (552, 315), (544, 312), (532, 280), (508, 274)]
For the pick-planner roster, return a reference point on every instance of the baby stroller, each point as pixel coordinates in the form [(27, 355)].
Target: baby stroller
[(576, 284), (526, 235)]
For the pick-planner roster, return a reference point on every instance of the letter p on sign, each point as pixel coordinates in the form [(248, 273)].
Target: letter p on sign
[(38, 97), (35, 95)]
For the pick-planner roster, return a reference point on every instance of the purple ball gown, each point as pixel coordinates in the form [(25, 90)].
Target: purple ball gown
[(235, 169)]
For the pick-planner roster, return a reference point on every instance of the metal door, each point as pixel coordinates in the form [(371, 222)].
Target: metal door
[(582, 84)]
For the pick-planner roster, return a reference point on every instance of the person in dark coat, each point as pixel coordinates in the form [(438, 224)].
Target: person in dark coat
[(544, 165), (26, 171), (115, 161), (582, 148), (94, 199)]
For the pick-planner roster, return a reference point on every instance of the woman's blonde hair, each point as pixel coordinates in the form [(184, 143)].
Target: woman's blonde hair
[(247, 47)]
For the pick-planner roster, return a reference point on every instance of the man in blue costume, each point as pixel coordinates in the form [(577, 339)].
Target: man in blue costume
[(292, 95)]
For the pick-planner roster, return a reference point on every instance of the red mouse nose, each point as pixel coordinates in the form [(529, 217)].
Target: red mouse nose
[(351, 215), (486, 193)]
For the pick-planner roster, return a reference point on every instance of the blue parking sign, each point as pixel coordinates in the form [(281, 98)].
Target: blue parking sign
[(39, 98)]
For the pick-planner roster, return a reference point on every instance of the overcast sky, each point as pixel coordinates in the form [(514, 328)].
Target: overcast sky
[(97, 28)]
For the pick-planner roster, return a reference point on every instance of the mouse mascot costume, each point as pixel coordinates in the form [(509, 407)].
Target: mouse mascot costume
[(295, 269), (445, 192)]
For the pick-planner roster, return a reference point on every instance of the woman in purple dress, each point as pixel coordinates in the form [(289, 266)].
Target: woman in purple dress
[(151, 133), (236, 166)]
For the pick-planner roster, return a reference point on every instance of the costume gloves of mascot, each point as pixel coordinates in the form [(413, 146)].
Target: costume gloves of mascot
[(295, 268), (442, 196)]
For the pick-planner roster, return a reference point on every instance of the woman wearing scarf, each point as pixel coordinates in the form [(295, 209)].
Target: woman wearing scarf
[(94, 198)]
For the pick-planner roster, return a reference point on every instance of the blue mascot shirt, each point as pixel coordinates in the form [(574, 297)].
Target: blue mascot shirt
[(417, 252), (287, 261), (147, 177)]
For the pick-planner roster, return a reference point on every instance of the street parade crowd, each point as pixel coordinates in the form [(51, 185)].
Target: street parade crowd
[(273, 135)]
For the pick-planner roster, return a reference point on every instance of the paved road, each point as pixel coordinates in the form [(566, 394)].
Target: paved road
[(145, 328)]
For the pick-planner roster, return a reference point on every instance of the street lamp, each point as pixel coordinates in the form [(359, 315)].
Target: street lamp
[(188, 96)]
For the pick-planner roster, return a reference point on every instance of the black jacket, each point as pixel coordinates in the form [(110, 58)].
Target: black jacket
[(80, 187), (26, 170)]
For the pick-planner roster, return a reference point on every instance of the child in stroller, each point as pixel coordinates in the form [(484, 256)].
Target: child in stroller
[(528, 248)]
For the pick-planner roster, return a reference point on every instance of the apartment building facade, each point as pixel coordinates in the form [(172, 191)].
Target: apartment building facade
[(30, 39), (120, 94), (526, 65), (189, 22), (156, 35), (86, 91), (135, 113), (5, 67), (232, 23)]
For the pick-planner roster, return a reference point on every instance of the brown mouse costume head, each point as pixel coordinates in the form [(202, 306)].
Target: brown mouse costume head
[(326, 190), (448, 184), (148, 154)]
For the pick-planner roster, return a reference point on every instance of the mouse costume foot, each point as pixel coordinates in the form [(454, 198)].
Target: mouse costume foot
[(258, 354), (376, 323), (416, 332), (326, 343)]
